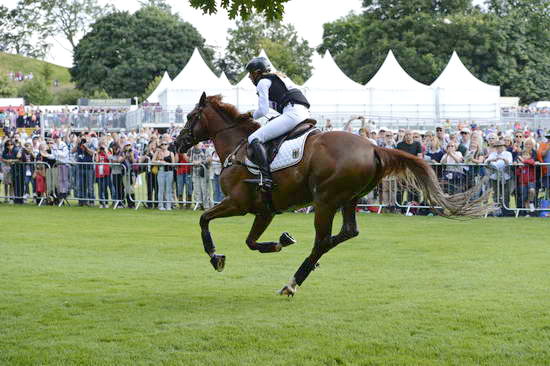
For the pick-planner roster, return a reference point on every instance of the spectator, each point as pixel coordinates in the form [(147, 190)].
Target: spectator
[(465, 139), (129, 157), (60, 151), (151, 172), (215, 171), (200, 176), (103, 175), (454, 174), (184, 180), (165, 175), (26, 157), (117, 183), (12, 175), (413, 148), (388, 141), (434, 151), (85, 172), (526, 175), (499, 162), (543, 156), (474, 156)]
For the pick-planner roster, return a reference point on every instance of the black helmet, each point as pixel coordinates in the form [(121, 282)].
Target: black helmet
[(258, 64)]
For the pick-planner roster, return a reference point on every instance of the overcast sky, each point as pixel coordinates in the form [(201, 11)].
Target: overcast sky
[(307, 16)]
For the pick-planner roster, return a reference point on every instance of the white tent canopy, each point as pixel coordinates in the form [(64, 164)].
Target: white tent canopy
[(460, 94), (225, 81), (329, 90), (164, 83), (196, 77), (393, 92)]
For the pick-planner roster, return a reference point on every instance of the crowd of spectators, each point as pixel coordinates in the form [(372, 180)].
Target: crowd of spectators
[(99, 118), (100, 168), (516, 161), (104, 169), (20, 76)]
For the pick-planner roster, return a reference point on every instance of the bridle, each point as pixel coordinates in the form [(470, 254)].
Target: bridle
[(187, 135)]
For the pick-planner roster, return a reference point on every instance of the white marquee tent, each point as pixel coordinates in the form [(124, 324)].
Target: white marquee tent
[(330, 91), (164, 83), (186, 88), (459, 94), (393, 92)]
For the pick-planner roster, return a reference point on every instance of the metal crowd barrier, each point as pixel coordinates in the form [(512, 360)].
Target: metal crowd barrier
[(19, 177), (160, 186)]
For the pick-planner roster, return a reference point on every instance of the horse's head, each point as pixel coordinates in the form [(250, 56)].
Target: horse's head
[(195, 130)]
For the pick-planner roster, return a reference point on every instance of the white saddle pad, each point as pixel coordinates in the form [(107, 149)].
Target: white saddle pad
[(290, 153)]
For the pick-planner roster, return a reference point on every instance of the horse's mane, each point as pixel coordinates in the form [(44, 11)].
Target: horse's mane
[(232, 112)]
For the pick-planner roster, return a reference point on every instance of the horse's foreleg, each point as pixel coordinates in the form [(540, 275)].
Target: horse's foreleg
[(324, 215), (225, 208), (261, 222)]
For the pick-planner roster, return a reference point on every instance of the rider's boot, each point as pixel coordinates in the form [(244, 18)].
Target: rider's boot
[(259, 153)]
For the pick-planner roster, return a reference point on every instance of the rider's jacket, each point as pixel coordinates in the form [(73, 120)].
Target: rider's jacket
[(282, 92)]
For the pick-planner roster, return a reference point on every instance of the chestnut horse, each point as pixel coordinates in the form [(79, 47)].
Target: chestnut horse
[(337, 169)]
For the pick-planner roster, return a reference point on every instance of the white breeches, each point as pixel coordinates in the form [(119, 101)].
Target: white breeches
[(291, 117)]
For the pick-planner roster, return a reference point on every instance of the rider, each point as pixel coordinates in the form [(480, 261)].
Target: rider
[(274, 91)]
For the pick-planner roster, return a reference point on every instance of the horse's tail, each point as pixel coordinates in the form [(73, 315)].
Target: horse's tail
[(416, 174)]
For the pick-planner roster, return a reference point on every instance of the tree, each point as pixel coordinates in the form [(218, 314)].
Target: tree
[(151, 87), (290, 54), (123, 52), (271, 10), (6, 89), (36, 92), (510, 47), (23, 30), (71, 17)]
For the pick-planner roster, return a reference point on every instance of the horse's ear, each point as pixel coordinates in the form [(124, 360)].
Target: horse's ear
[(202, 102)]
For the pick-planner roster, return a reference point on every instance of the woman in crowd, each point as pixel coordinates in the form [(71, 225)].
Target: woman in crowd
[(474, 156), (526, 175), (454, 174), (165, 175), (26, 157), (183, 180), (116, 159), (103, 175), (9, 160), (151, 172), (216, 170), (434, 150)]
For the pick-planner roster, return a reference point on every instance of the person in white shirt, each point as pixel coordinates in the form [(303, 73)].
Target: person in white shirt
[(60, 151), (499, 162), (275, 91)]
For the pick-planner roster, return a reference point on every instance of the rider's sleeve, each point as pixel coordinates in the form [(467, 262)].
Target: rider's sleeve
[(263, 98)]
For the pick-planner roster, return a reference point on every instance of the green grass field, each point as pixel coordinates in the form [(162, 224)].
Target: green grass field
[(101, 287)]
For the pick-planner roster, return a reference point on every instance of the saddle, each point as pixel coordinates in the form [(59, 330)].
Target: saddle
[(274, 145)]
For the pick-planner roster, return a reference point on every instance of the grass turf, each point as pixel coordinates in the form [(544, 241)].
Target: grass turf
[(103, 287)]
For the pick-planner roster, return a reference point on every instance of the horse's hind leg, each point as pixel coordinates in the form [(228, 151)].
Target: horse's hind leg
[(349, 225), (261, 222), (324, 215), (225, 208)]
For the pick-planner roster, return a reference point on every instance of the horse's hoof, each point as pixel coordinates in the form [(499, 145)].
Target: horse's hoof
[(286, 239), (218, 262), (287, 290)]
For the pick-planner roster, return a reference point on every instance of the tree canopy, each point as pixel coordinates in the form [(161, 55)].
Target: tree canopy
[(124, 52), (506, 43), (271, 10), (290, 54)]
